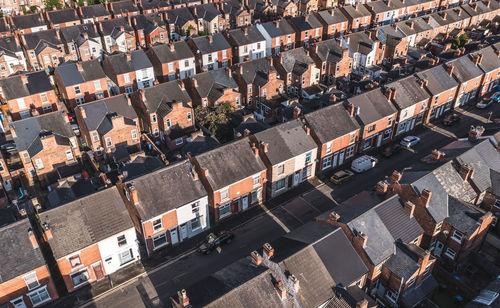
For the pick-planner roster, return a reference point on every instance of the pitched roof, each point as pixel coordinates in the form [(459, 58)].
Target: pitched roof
[(28, 21), (148, 22), (35, 40), (373, 106), (71, 75), (331, 122), (154, 197), (165, 54), (240, 38), (212, 84), (490, 61), (333, 16), (95, 10), (404, 262), (286, 141), (360, 42), (9, 46), (13, 87), (86, 221), (112, 26), (230, 163), (160, 98), (18, 255), (99, 113), (464, 69), (63, 16), (463, 217), (180, 16), (329, 51), (278, 28), (255, 71), (30, 131), (205, 46), (408, 92), (153, 4), (206, 11), (383, 225), (355, 11), (124, 6), (296, 60), (438, 79), (77, 34), (251, 124), (200, 144), (306, 22), (121, 64)]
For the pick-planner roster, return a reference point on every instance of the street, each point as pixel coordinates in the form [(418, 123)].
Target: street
[(155, 288)]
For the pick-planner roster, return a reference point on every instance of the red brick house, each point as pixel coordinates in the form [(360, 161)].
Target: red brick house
[(359, 16), (333, 60), (442, 88), (239, 15), (172, 61), (336, 132), (45, 143), (93, 13), (490, 65), (258, 80), (211, 52), (279, 35), (82, 259), (26, 280), (334, 23), (233, 176), (469, 75), (23, 99), (124, 8), (298, 70), (376, 115), (58, 19), (150, 29), (411, 99), (308, 29), (212, 88), (43, 49), (165, 111), (28, 23), (82, 42), (154, 6), (109, 123)]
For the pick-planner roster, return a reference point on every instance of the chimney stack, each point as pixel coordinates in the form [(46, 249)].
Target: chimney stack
[(396, 177), (466, 172), (450, 68), (334, 216), (256, 258), (295, 282), (437, 155), (410, 208), (362, 238), (47, 233), (268, 250), (134, 197), (32, 237), (172, 47), (245, 30), (350, 109), (255, 149), (475, 132), (425, 197), (24, 79), (83, 112), (265, 146), (183, 298), (210, 39), (280, 288), (362, 303), (382, 187)]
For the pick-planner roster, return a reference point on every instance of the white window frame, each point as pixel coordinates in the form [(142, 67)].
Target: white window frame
[(224, 194), (78, 272), (30, 276), (69, 155), (256, 180), (410, 282), (457, 236), (225, 208), (157, 227), (153, 238), (21, 104), (39, 164), (278, 188), (77, 89), (109, 142), (281, 169), (179, 141), (327, 162), (391, 296), (97, 85), (450, 253), (153, 119), (95, 136), (37, 292), (329, 146), (126, 78), (134, 133)]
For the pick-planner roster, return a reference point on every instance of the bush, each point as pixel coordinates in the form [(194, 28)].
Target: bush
[(217, 120), (459, 41), (51, 4)]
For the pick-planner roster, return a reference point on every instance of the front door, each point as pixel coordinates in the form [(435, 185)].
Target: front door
[(183, 231), (296, 178), (379, 140), (438, 249), (341, 157), (99, 274), (244, 202), (174, 237), (18, 303)]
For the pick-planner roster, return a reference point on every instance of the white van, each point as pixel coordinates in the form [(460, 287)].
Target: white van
[(363, 163)]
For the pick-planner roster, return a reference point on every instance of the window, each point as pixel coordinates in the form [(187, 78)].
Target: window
[(75, 261), (153, 118), (69, 155), (329, 147), (327, 162), (237, 100), (224, 210), (186, 63), (21, 104), (179, 141), (371, 128), (95, 137), (249, 89), (44, 98), (125, 256), (31, 281), (457, 236), (224, 194), (352, 138), (26, 157), (392, 296), (134, 133), (126, 78), (156, 132), (195, 223), (170, 67), (80, 277), (39, 163), (189, 116), (256, 195), (39, 296), (256, 180), (427, 269), (281, 169), (97, 85), (77, 90), (378, 269), (389, 121), (195, 207), (109, 143), (450, 253), (438, 228), (210, 58), (280, 184), (159, 240), (79, 100), (349, 152), (122, 241), (308, 158), (157, 225), (168, 123), (410, 283), (387, 133), (128, 89)]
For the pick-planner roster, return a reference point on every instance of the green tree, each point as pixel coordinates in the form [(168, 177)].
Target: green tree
[(214, 119), (53, 4)]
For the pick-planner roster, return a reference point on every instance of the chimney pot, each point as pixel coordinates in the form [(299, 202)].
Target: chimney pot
[(437, 155), (334, 216), (363, 238), (205, 172), (32, 238), (410, 208), (425, 196), (450, 68), (256, 258), (396, 177), (255, 149), (295, 282), (475, 132), (382, 187), (268, 250), (466, 172)]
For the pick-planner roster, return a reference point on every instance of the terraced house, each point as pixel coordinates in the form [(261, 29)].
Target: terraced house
[(172, 61)]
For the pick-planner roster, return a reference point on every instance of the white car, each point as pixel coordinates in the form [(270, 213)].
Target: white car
[(363, 163), (485, 103), (409, 141)]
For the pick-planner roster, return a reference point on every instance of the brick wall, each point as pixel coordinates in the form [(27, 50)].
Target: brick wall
[(168, 221), (88, 256)]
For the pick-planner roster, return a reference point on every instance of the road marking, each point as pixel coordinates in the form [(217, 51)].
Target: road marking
[(276, 219)]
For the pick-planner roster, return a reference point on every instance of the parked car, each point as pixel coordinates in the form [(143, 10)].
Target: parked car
[(451, 119), (213, 241), (409, 141), (363, 163), (341, 176), (485, 103), (391, 150)]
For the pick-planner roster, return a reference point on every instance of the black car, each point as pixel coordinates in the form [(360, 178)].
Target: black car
[(451, 119), (391, 150), (213, 241)]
